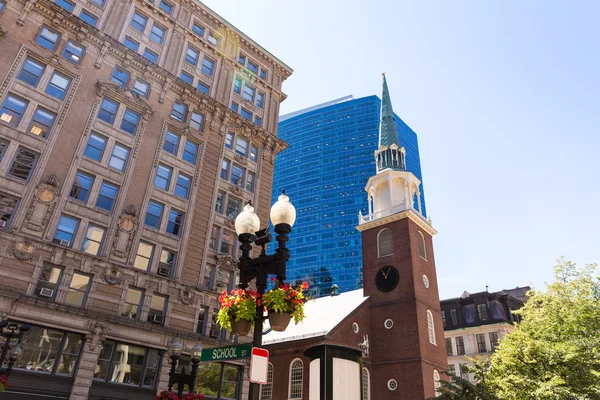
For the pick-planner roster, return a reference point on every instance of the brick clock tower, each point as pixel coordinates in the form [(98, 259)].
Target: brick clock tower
[(408, 350)]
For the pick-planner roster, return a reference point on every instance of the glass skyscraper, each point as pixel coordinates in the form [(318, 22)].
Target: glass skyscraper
[(324, 171)]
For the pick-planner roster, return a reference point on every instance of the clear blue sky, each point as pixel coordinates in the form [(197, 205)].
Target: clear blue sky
[(505, 99)]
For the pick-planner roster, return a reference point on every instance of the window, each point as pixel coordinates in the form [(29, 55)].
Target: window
[(224, 169), (138, 22), (190, 150), (108, 111), (178, 112), (219, 203), (66, 4), (99, 3), (92, 242), (430, 327), (451, 368), (23, 164), (253, 153), (234, 106), (31, 72), (8, 204), (252, 66), (454, 317), (131, 44), (58, 85), (227, 243), (143, 258), (175, 222), (133, 300), (191, 56), (89, 18), (422, 251), (266, 390), (250, 181), (493, 341), (154, 215), (166, 7), (73, 52), (182, 187), (2, 6), (460, 346), (201, 321), (157, 33), (464, 371), (258, 120), (48, 282), (212, 39), (198, 29), (228, 386), (229, 140), (481, 347), (237, 85), (241, 146), (208, 66), (163, 177), (141, 88), (249, 93), (42, 122), (157, 309), (166, 264), (13, 109), (366, 390), (237, 175), (142, 364), (436, 381), (204, 88), (443, 318), (482, 311), (260, 99), (197, 121), (242, 59), (106, 197), (65, 231), (47, 38), (118, 158), (246, 114), (130, 121), (263, 74), (296, 371), (171, 144), (78, 290), (214, 238), (385, 243), (150, 56), (187, 78), (82, 186), (449, 347), (120, 76), (233, 207)]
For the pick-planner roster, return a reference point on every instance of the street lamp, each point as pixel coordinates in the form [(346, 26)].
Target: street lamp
[(247, 225), (11, 331), (182, 378)]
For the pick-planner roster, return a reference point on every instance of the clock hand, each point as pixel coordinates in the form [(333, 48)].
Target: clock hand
[(388, 272)]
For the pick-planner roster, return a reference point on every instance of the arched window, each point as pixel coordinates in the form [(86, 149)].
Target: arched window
[(430, 327), (366, 388), (436, 382), (422, 251), (296, 369), (385, 243), (266, 390)]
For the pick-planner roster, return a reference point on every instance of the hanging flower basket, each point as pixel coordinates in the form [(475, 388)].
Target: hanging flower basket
[(166, 395), (3, 383), (241, 327), (279, 321), (239, 306), (284, 302)]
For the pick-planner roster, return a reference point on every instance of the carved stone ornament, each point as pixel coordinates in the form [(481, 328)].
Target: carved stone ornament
[(42, 205), (235, 189), (241, 159), (186, 295), (23, 250), (123, 239), (229, 223), (113, 275), (130, 210), (97, 331), (226, 261), (51, 180)]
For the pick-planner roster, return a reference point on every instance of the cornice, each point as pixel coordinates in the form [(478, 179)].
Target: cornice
[(410, 214)]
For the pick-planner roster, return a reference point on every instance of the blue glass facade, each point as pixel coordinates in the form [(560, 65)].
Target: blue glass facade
[(324, 172)]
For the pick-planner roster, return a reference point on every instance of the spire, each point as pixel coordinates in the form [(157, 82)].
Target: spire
[(388, 134)]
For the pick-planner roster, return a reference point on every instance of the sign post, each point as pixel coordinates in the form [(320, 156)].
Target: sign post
[(259, 365), (226, 353)]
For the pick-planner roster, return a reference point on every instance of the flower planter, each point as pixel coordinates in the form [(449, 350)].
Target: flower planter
[(241, 327), (279, 321)]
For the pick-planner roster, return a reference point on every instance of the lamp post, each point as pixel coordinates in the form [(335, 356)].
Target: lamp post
[(181, 378), (247, 225), (11, 331)]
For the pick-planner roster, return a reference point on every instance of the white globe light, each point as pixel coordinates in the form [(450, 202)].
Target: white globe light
[(247, 221), (283, 212)]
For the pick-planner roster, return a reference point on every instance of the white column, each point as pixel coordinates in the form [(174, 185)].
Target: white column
[(419, 202)]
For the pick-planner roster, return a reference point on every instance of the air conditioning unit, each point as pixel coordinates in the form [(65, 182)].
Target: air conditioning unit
[(46, 292), (61, 242), (215, 331), (158, 319), (164, 271), (2, 224)]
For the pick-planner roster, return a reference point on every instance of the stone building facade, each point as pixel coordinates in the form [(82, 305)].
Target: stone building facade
[(131, 132)]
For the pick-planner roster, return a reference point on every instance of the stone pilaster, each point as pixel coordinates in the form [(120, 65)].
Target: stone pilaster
[(84, 375)]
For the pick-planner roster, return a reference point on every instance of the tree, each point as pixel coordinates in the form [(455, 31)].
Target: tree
[(458, 388), (554, 352)]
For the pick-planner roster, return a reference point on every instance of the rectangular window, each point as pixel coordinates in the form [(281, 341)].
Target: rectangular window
[(138, 22), (166, 264), (219, 203), (99, 3), (78, 290), (162, 179), (253, 153), (130, 121), (65, 231), (150, 56), (454, 317), (157, 33), (8, 204), (449, 347), (246, 114), (249, 93), (227, 243), (47, 38), (48, 282), (234, 106), (482, 311), (258, 120), (187, 78), (252, 66), (23, 164), (92, 242), (13, 109), (212, 39), (464, 371), (106, 197), (95, 147), (133, 301), (481, 347), (263, 74), (143, 258), (208, 66), (66, 4), (444, 318), (141, 88), (233, 207), (182, 188), (156, 314), (241, 146), (118, 158), (229, 140), (58, 85), (179, 111), (31, 72), (198, 29), (190, 151), (260, 99), (89, 18), (237, 176), (175, 222), (171, 144), (154, 215), (131, 44), (191, 56), (451, 368), (142, 364), (493, 341), (242, 59), (251, 178), (73, 52), (166, 7), (42, 122), (196, 121), (82, 185), (108, 111), (200, 330), (214, 238), (204, 88), (120, 76), (237, 85), (224, 169), (460, 346)]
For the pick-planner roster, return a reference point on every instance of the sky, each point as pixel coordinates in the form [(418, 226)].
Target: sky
[(504, 97)]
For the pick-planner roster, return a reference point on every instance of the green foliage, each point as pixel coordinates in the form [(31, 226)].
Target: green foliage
[(554, 352), (457, 388), (239, 305), (284, 298)]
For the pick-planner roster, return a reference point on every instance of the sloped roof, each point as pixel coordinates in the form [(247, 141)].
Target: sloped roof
[(322, 315)]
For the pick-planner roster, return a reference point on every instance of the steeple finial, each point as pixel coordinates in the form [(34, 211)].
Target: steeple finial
[(388, 134)]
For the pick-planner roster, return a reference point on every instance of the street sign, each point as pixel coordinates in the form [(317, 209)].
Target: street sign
[(226, 353), (259, 364)]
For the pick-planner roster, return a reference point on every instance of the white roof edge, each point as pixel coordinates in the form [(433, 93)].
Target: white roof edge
[(317, 107)]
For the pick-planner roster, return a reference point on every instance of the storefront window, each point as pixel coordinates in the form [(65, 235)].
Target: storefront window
[(132, 365), (219, 381)]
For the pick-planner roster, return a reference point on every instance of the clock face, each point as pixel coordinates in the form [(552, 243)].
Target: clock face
[(387, 278)]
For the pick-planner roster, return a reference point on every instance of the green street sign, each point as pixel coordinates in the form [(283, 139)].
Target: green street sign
[(226, 353)]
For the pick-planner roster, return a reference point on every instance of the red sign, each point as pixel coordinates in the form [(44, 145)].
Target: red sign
[(259, 365)]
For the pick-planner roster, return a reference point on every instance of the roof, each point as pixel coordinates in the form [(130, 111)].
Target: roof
[(388, 134), (322, 316)]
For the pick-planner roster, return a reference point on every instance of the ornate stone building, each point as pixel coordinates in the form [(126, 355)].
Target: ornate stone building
[(131, 132)]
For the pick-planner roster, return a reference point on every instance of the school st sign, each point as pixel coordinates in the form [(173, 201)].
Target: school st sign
[(226, 353)]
